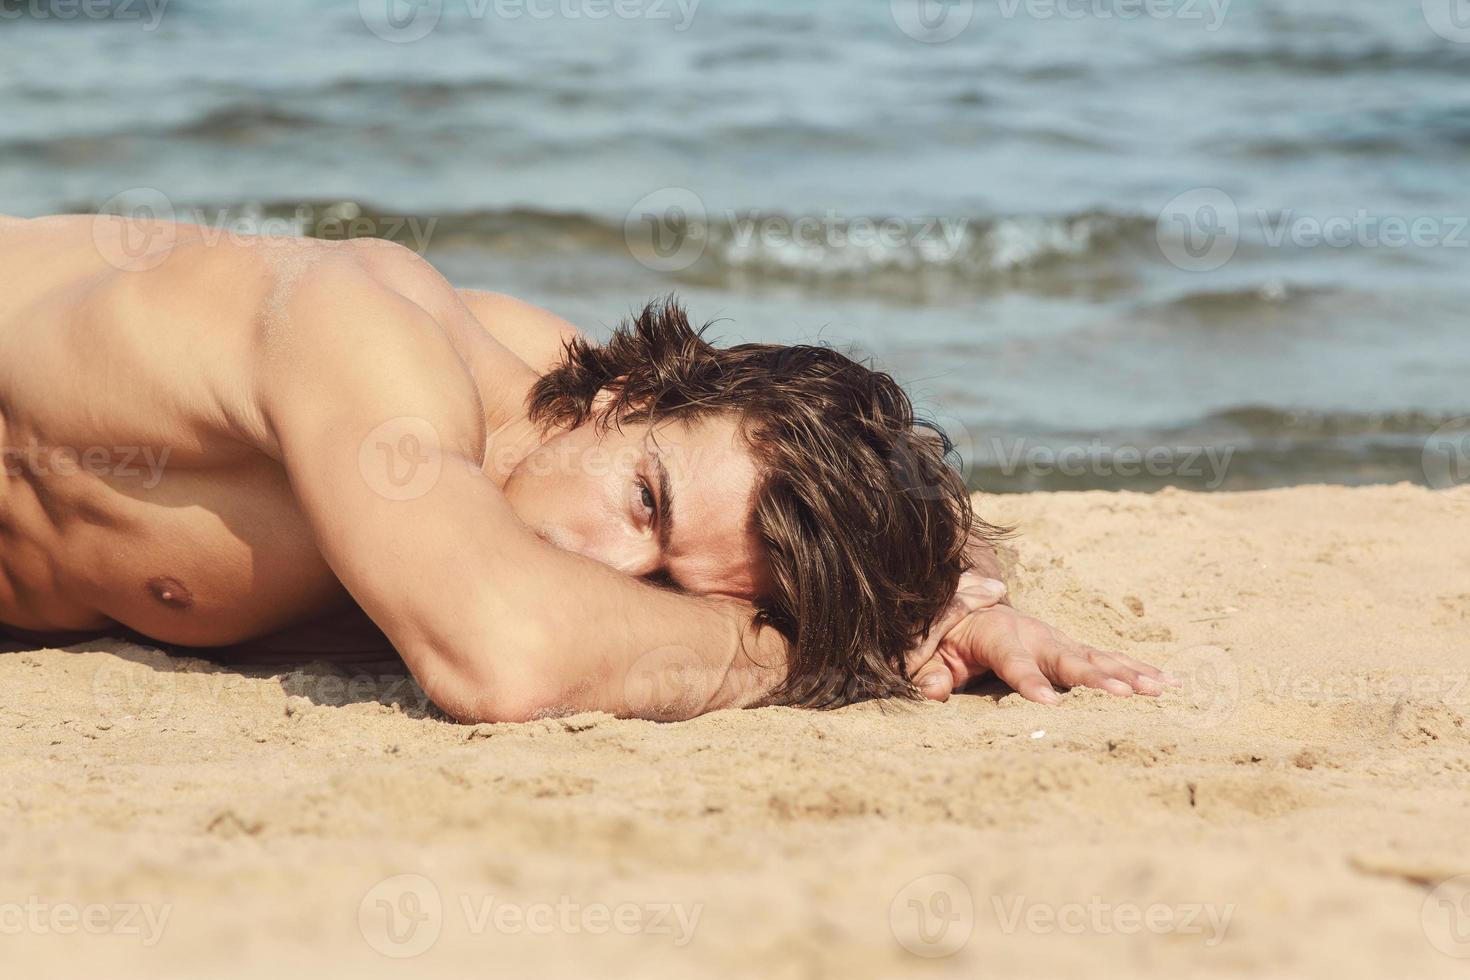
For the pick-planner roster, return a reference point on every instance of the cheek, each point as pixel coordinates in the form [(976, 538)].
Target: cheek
[(580, 508)]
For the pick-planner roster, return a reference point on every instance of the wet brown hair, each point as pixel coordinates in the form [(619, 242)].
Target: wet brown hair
[(863, 521)]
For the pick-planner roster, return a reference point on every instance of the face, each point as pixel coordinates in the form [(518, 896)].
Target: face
[(670, 502)]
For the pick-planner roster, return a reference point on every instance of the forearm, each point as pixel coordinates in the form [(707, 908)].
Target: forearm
[(605, 641), (512, 628)]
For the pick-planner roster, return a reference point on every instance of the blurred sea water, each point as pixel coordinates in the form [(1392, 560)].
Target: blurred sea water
[(1081, 231)]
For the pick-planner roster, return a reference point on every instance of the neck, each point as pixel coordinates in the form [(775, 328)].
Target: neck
[(504, 382), (508, 444)]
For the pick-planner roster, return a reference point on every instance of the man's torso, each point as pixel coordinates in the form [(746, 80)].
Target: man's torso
[(141, 486)]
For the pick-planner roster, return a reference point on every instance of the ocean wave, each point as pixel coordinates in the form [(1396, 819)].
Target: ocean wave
[(1267, 299), (239, 122), (228, 113), (1264, 424), (753, 53), (1244, 448), (752, 246), (1259, 421), (866, 252), (1304, 59), (1398, 132)]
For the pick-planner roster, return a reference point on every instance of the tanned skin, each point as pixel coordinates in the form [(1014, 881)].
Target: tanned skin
[(190, 426)]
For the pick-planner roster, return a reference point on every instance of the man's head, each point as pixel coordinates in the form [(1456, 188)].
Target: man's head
[(793, 477)]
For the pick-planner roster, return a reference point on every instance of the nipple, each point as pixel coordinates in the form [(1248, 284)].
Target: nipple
[(171, 592)]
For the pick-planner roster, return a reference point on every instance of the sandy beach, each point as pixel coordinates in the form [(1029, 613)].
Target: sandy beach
[(1290, 812)]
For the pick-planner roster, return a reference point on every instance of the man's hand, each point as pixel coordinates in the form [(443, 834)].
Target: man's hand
[(1030, 656), (975, 591)]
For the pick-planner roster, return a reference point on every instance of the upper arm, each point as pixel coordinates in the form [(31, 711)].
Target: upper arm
[(534, 335), (380, 430)]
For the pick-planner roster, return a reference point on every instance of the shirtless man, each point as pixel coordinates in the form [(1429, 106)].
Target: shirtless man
[(214, 442)]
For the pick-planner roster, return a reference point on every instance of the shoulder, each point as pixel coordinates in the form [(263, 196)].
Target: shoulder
[(535, 335), (362, 329), (337, 296)]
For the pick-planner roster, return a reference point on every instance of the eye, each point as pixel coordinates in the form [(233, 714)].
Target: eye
[(645, 497)]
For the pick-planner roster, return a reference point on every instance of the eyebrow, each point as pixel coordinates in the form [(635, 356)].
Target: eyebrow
[(665, 502)]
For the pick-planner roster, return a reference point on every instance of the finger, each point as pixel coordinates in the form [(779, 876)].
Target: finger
[(933, 680), (1114, 666), (981, 592), (1014, 665), (980, 585), (1148, 670), (922, 654), (1075, 670), (1022, 674), (973, 592)]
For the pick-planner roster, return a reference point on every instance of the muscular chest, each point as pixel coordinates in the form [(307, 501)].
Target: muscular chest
[(191, 555)]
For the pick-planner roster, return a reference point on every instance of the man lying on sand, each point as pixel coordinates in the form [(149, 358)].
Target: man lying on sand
[(230, 443)]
